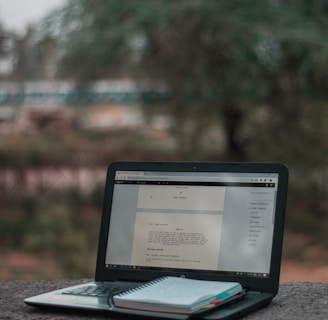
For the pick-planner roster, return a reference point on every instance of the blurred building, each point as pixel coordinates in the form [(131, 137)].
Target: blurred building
[(7, 53), (36, 58), (28, 57), (28, 66)]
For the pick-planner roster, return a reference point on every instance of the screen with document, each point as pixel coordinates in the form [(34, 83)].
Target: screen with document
[(220, 222)]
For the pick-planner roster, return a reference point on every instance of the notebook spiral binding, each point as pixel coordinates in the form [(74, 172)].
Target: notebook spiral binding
[(147, 284)]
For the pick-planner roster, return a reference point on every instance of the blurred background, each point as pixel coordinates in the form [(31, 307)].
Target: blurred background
[(84, 83)]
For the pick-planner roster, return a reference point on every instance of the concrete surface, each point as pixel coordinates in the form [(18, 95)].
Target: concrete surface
[(295, 300)]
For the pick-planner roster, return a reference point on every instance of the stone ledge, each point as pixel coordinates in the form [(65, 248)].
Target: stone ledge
[(295, 300)]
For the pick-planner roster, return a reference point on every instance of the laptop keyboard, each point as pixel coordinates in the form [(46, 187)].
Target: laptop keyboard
[(94, 291)]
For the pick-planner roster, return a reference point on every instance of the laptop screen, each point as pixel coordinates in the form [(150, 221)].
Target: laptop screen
[(220, 222)]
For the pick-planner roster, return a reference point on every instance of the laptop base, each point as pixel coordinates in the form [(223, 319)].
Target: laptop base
[(57, 299)]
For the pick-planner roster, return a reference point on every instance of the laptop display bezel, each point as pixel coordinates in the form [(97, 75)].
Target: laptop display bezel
[(269, 284)]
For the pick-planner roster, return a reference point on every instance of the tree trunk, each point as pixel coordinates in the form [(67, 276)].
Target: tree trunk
[(232, 122)]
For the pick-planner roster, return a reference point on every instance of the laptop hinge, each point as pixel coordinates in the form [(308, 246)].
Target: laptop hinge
[(248, 289)]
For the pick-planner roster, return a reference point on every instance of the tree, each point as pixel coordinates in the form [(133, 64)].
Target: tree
[(209, 65), (224, 60)]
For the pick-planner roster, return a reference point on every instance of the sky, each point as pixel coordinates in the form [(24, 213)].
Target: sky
[(15, 15)]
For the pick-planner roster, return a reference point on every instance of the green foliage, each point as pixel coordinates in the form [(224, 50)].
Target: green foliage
[(64, 225), (221, 60)]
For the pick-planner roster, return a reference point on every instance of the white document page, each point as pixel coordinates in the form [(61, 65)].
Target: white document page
[(177, 240)]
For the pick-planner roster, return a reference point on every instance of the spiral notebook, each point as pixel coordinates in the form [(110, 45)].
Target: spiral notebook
[(177, 295), (198, 220)]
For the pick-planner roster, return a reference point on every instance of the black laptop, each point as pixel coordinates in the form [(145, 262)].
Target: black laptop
[(211, 221)]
